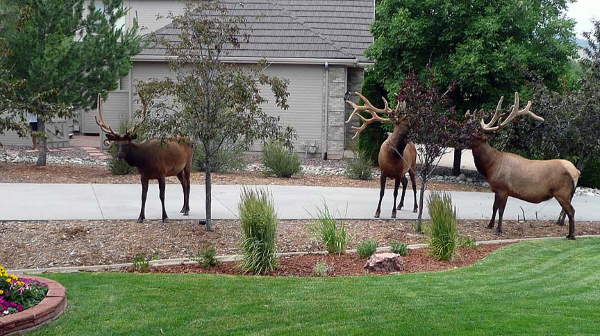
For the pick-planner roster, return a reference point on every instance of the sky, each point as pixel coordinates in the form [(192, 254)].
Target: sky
[(583, 11)]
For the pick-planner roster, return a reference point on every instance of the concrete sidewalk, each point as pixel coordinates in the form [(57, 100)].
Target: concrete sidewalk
[(122, 201)]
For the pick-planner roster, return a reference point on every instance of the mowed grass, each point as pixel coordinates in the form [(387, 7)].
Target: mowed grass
[(533, 288)]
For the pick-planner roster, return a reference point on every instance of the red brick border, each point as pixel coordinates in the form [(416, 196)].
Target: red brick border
[(52, 306)]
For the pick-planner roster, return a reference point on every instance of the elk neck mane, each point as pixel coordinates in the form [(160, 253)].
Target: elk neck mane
[(397, 140), (485, 156)]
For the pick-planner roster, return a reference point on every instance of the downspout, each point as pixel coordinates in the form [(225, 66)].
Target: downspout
[(325, 147)]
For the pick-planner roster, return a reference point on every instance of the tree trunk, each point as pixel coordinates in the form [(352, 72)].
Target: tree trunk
[(208, 185), (41, 143), (456, 162), (419, 228)]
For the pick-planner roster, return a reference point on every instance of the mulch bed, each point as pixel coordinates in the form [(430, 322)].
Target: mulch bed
[(29, 244), (29, 173), (417, 260)]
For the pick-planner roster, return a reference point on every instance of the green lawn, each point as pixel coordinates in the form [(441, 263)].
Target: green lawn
[(541, 288)]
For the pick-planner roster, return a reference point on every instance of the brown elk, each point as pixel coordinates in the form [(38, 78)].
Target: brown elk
[(154, 159), (509, 174), (397, 155)]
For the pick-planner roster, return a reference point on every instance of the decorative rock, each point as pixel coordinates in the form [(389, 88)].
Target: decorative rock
[(385, 262)]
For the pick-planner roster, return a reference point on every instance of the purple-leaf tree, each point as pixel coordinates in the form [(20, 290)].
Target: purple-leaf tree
[(431, 128)]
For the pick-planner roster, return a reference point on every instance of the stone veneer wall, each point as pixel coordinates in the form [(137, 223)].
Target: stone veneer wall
[(355, 82), (336, 112)]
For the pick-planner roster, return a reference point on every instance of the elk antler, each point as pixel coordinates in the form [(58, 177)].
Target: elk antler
[(513, 114), (368, 107), (100, 119)]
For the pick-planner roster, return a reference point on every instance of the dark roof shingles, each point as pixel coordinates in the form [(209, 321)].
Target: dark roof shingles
[(334, 29)]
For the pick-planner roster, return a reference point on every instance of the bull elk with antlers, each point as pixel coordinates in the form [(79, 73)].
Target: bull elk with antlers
[(397, 155), (154, 159), (509, 174)]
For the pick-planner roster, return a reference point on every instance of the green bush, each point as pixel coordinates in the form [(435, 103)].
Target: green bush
[(367, 248), (141, 263), (330, 231), (206, 257), (360, 167), (259, 231), (590, 177), (466, 241), (115, 165), (442, 230), (321, 269), (280, 161), (229, 158), (372, 137), (399, 248)]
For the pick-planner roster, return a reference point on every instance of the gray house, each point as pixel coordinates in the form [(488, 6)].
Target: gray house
[(317, 46)]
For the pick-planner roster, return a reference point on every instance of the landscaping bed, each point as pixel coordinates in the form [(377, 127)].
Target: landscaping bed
[(348, 264), (55, 173), (95, 242)]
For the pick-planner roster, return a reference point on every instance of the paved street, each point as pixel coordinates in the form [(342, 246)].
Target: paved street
[(122, 201)]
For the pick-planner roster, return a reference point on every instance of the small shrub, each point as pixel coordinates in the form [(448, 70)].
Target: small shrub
[(141, 263), (330, 231), (442, 230), (206, 257), (399, 248), (229, 158), (466, 241), (279, 161), (115, 165), (259, 231), (367, 248), (360, 167), (321, 269), (590, 176)]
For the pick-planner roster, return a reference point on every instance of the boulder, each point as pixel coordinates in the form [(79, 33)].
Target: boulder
[(385, 262)]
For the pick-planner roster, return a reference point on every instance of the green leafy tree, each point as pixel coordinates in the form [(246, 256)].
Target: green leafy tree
[(210, 101), (65, 52), (11, 116), (489, 47)]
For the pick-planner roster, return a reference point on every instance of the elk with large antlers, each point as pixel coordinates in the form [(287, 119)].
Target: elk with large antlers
[(397, 155), (509, 174), (154, 159)]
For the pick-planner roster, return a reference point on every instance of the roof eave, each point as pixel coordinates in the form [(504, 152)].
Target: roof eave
[(355, 62)]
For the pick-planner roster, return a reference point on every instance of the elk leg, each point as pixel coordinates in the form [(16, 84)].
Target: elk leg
[(413, 180), (396, 185), (561, 218), (144, 193), (185, 210), (188, 185), (494, 209), (161, 188), (382, 180), (404, 184), (501, 205), (568, 208)]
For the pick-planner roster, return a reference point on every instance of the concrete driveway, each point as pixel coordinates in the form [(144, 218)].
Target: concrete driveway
[(122, 201)]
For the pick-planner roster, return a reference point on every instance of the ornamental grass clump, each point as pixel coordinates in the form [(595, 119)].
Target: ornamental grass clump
[(399, 248), (330, 231), (18, 294), (367, 248), (442, 230), (360, 167), (280, 161), (259, 231), (206, 257)]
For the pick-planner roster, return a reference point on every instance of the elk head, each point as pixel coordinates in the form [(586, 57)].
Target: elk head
[(123, 141), (480, 133), (395, 116)]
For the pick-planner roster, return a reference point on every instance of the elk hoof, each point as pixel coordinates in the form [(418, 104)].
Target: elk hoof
[(415, 209), (490, 226), (400, 206), (140, 220), (571, 237), (187, 213), (376, 214), (393, 215), (202, 222), (498, 233), (560, 223)]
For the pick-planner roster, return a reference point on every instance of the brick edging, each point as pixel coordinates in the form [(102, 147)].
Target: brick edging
[(51, 307)]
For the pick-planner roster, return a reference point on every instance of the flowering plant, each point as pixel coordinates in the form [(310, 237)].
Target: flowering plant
[(17, 294)]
